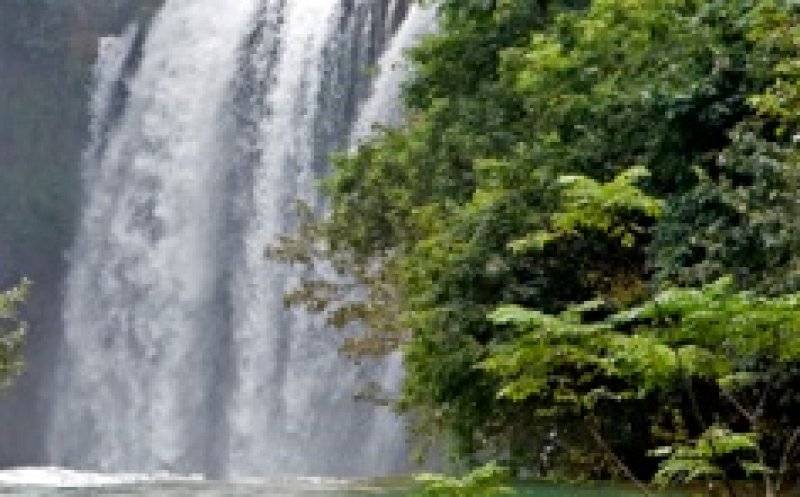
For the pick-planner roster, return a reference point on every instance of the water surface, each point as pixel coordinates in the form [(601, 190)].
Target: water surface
[(56, 482)]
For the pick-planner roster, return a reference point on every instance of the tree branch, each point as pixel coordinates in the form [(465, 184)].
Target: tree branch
[(787, 452), (598, 438)]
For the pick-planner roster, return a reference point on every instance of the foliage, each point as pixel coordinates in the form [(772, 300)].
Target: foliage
[(688, 462), (742, 222), (581, 167), (12, 332), (589, 205), (486, 481), (733, 346)]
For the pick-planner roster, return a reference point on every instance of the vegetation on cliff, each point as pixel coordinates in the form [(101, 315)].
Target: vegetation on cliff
[(12, 331), (586, 237)]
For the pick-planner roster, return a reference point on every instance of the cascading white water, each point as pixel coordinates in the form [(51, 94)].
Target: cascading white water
[(281, 357), (384, 107), (112, 54), (141, 285), (178, 353)]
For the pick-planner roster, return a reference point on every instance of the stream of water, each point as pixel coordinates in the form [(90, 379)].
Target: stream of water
[(178, 353)]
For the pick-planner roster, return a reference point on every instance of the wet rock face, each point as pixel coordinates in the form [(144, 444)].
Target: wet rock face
[(47, 49)]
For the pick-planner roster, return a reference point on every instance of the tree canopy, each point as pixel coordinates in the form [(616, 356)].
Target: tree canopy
[(585, 238)]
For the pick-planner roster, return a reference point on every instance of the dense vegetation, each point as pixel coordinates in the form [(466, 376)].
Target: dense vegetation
[(586, 238)]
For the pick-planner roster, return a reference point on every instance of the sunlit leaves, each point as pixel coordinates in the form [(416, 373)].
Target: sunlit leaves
[(735, 341), (489, 480), (776, 28), (707, 332), (610, 208), (701, 458)]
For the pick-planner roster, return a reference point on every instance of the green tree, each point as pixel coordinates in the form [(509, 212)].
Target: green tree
[(12, 331), (575, 159), (711, 368)]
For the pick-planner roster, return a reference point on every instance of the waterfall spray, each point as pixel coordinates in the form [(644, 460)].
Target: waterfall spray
[(178, 352)]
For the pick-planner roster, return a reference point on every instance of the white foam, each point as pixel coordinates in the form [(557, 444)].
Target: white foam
[(67, 478)]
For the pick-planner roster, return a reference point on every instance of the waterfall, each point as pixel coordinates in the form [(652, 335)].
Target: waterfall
[(178, 354), (384, 107)]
